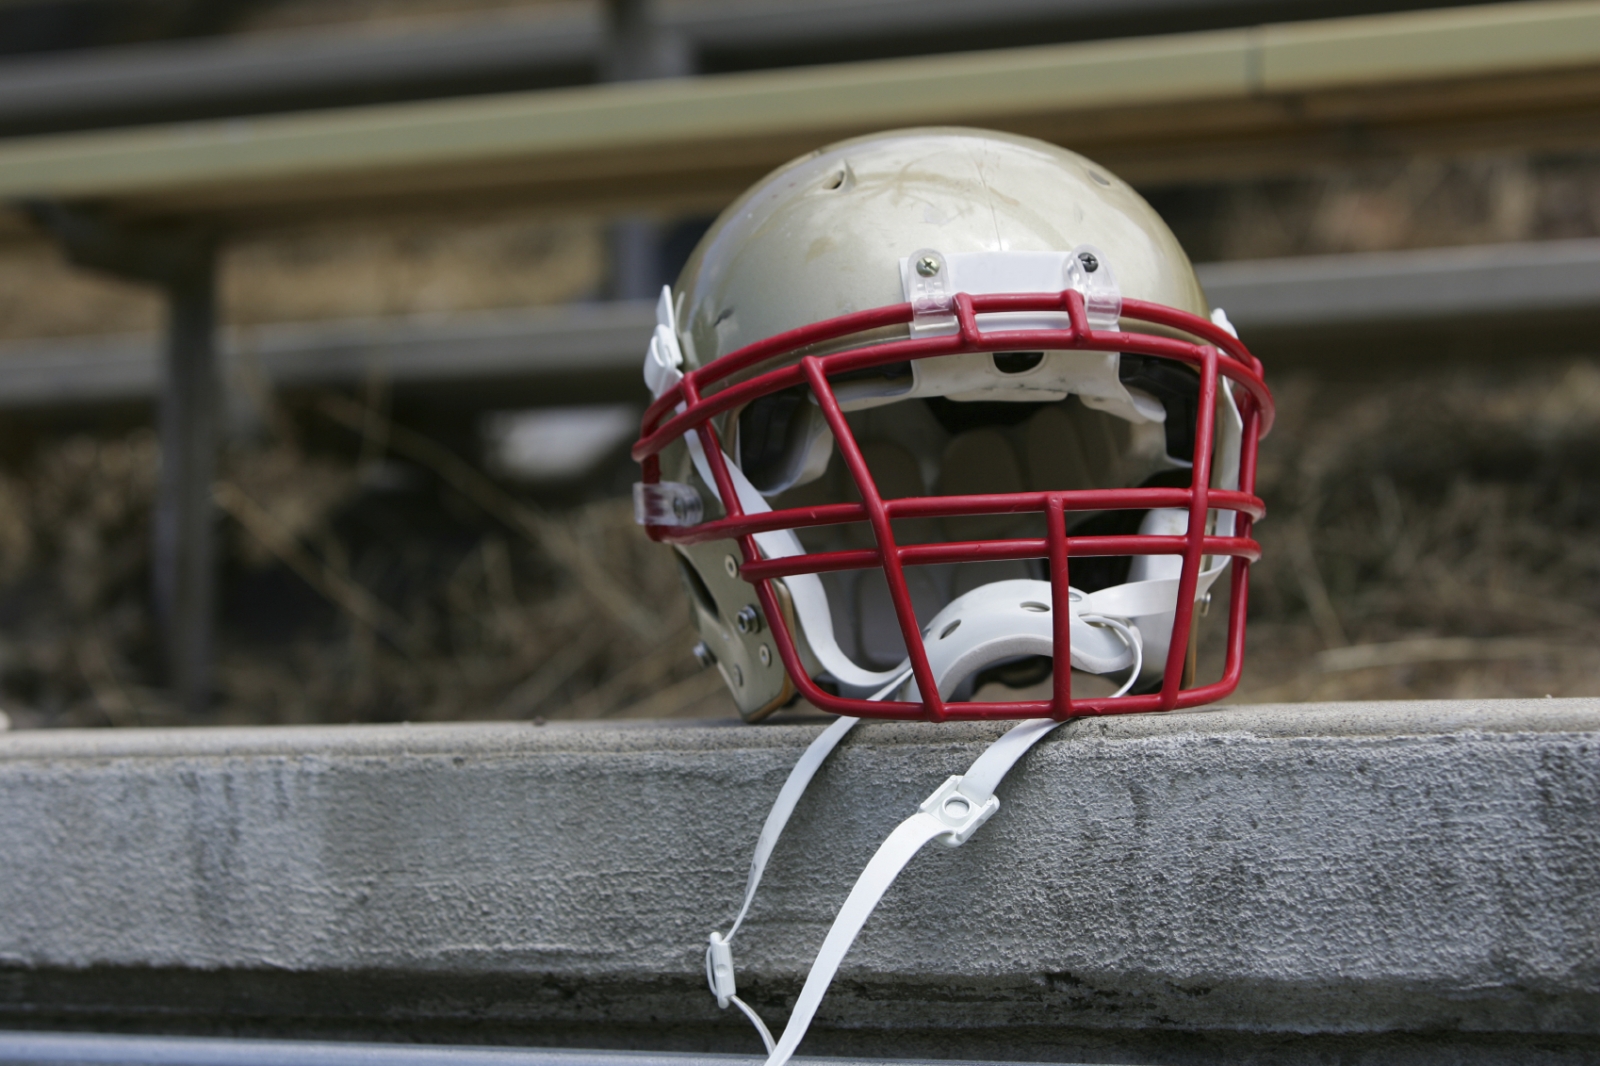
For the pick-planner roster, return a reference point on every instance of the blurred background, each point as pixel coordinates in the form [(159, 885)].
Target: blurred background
[(315, 408)]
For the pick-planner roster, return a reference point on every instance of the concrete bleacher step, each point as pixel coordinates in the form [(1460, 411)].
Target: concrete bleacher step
[(1401, 881)]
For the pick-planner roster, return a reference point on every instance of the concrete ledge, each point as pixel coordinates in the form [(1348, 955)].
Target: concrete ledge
[(21, 1048), (1416, 880)]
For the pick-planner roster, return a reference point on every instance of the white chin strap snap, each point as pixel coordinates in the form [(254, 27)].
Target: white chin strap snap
[(998, 622)]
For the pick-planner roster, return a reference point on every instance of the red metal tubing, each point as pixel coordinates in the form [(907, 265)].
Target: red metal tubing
[(1071, 500), (655, 438), (883, 532), (1242, 367), (950, 507), (986, 551), (778, 344), (1162, 315), (1218, 356), (1205, 417), (1060, 608)]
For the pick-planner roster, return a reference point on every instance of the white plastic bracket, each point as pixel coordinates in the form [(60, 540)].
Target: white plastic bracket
[(1219, 318), (663, 360), (719, 970), (926, 276), (667, 503), (960, 814), (1090, 273)]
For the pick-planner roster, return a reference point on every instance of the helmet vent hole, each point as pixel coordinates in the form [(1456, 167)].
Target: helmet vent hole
[(1036, 607), (841, 180), (1099, 177), (1017, 362), (951, 628)]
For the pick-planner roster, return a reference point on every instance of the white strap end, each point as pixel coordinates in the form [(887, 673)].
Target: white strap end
[(719, 970)]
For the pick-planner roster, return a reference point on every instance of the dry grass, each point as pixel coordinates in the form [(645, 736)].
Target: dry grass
[(392, 268), (420, 267), (1443, 531), (1409, 203), (1433, 536), (471, 616), (392, 15), (43, 295)]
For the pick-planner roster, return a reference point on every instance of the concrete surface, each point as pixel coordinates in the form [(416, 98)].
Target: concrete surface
[(1414, 882), (101, 1049)]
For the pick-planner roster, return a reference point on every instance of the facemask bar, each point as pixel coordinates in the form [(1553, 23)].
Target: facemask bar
[(1221, 357)]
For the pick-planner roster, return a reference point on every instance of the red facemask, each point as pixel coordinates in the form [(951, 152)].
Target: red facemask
[(725, 385)]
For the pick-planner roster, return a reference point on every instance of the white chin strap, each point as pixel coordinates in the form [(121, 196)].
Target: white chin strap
[(994, 623), (979, 631), (1125, 629)]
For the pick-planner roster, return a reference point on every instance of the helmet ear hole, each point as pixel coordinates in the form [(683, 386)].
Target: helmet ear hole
[(699, 592)]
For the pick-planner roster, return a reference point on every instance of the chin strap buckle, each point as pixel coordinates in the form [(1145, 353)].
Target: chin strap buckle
[(719, 975), (960, 814), (719, 970)]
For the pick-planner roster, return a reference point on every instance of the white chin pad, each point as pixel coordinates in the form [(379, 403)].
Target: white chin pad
[(1009, 620)]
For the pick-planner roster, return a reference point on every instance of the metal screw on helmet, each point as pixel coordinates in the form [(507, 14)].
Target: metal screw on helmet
[(1205, 604), (748, 620), (927, 266), (765, 655), (1090, 263), (731, 565), (704, 655), (738, 676)]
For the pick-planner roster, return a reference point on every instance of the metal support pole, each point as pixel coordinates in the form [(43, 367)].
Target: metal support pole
[(636, 259), (640, 48), (184, 567), (181, 259)]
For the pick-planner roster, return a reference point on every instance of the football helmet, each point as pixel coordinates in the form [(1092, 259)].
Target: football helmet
[(937, 411)]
